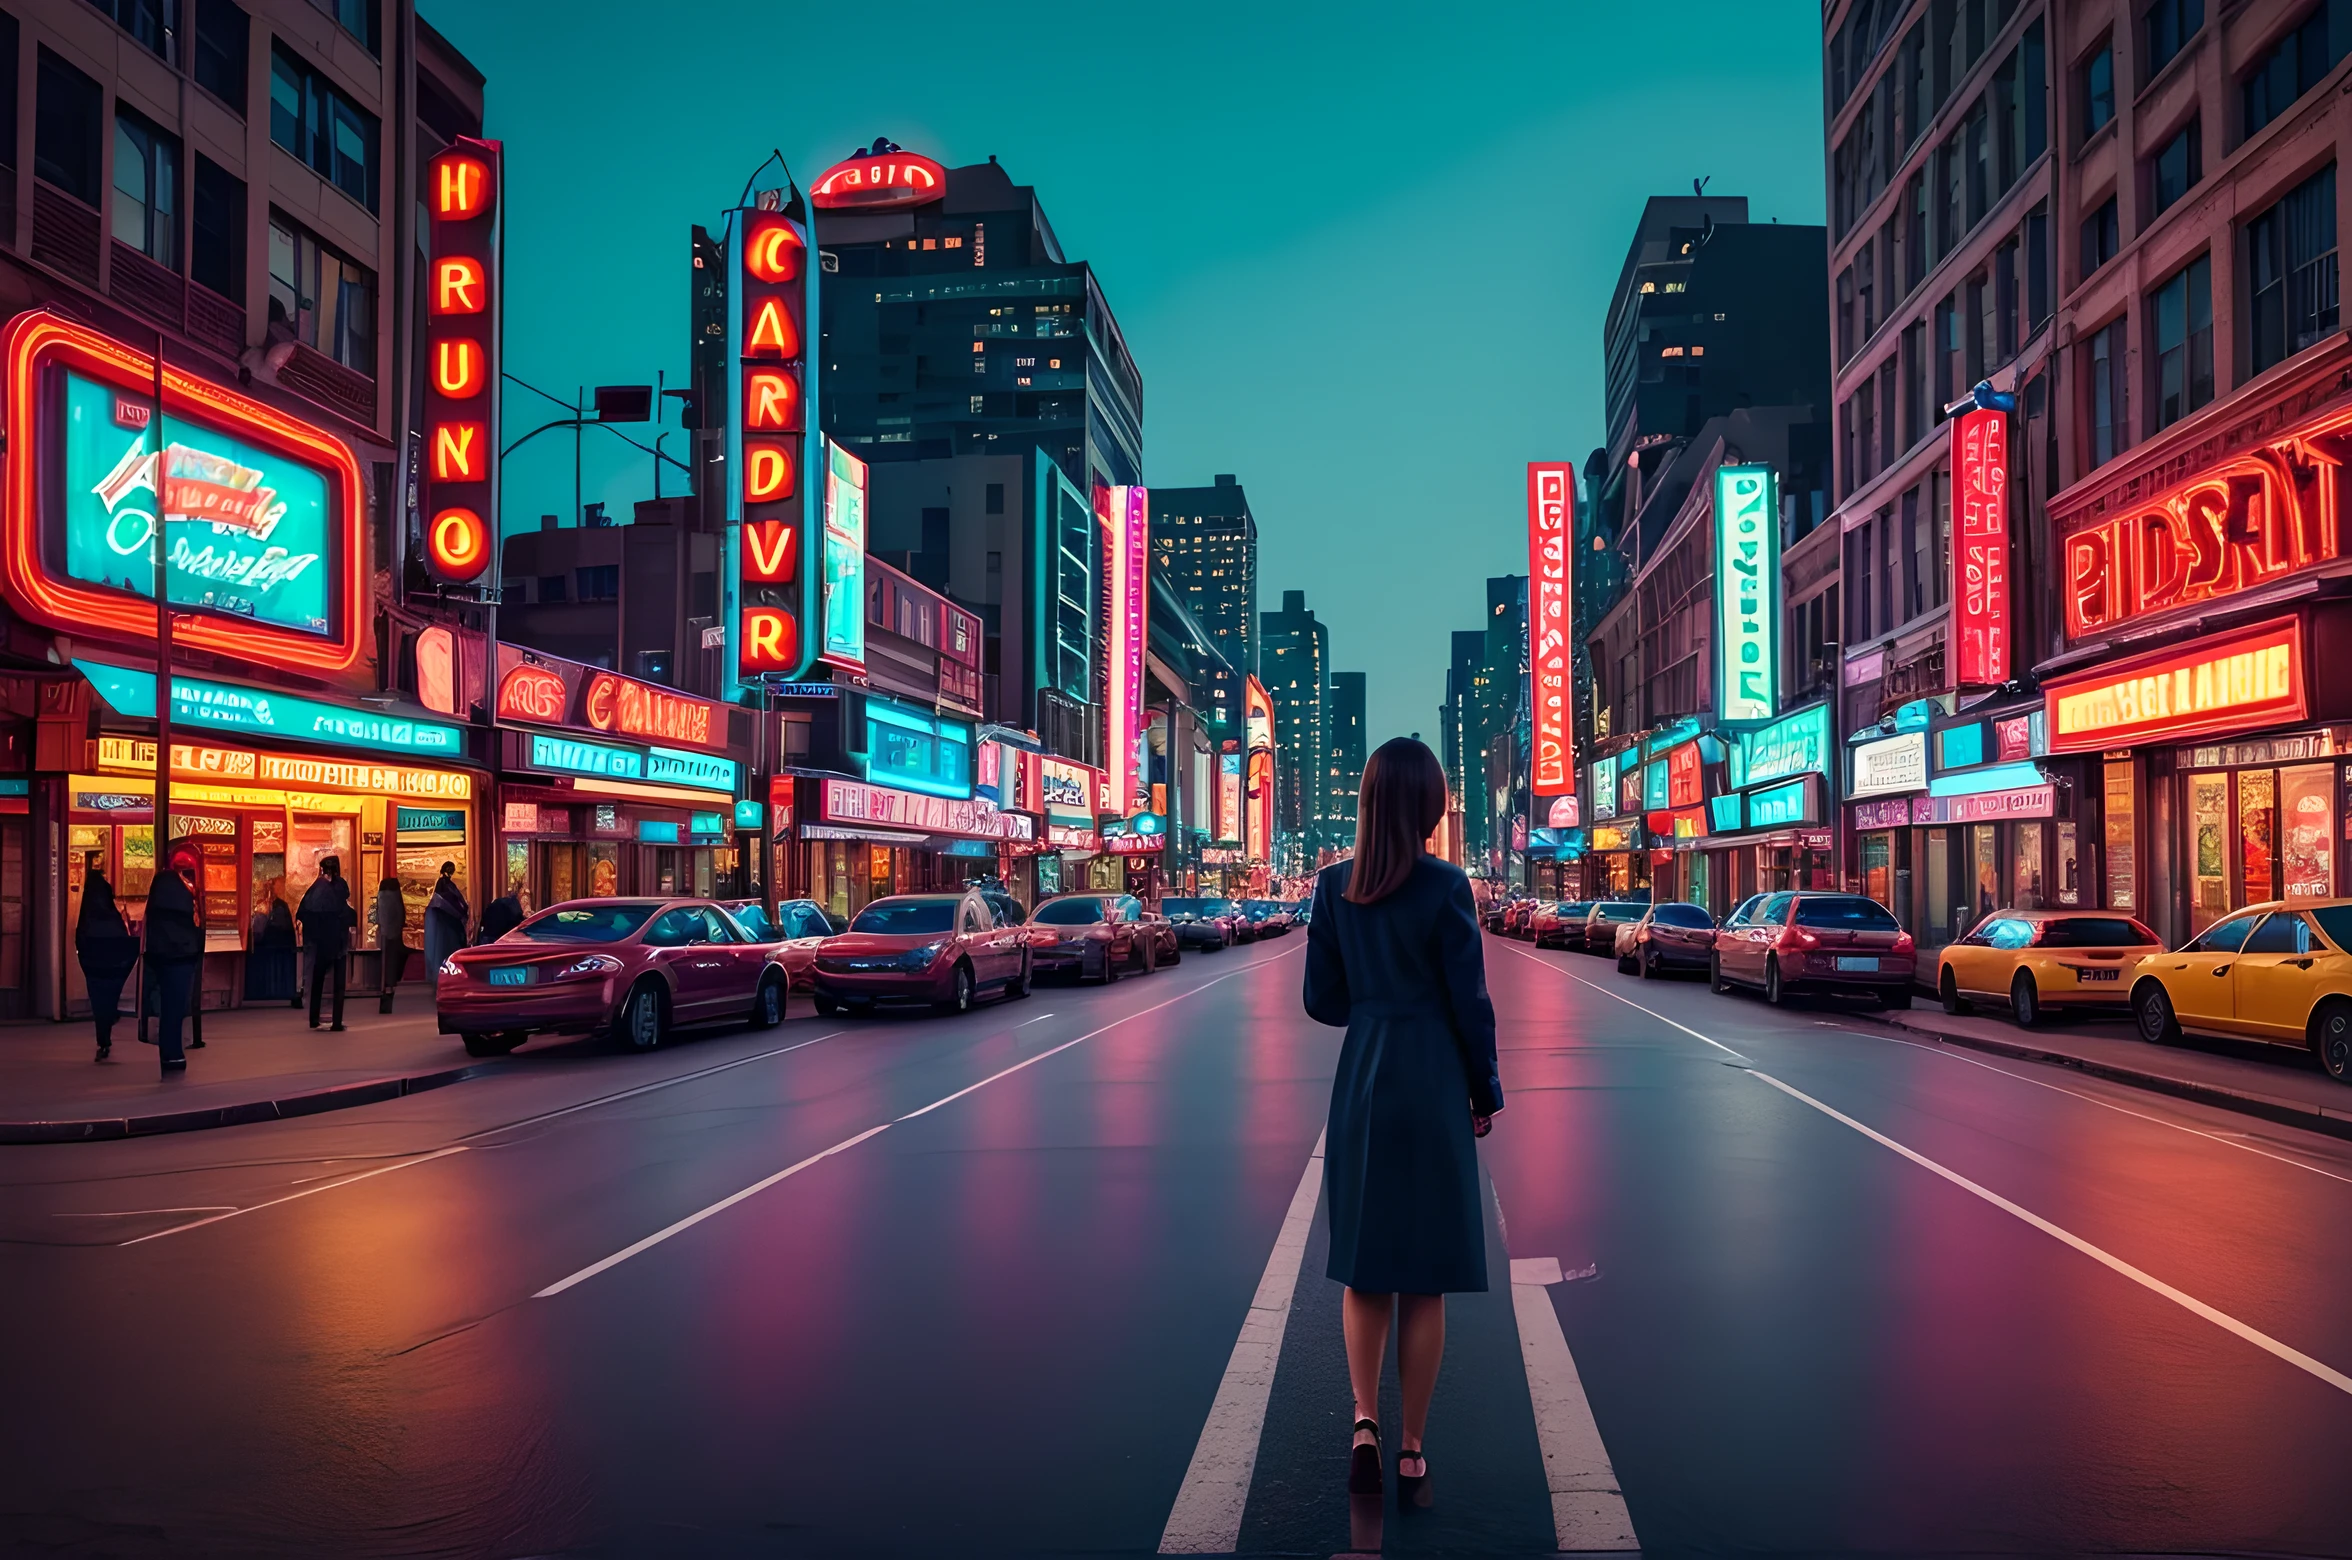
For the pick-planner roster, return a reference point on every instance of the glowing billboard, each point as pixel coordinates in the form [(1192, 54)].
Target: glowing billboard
[(1747, 593), (1551, 528), (779, 631), (845, 558), (459, 502), (1980, 548), (1125, 516), (1258, 733)]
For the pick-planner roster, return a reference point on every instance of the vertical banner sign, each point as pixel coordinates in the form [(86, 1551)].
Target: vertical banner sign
[(1125, 515), (1980, 547), (845, 559), (1747, 593), (1551, 528), (779, 631), (459, 503)]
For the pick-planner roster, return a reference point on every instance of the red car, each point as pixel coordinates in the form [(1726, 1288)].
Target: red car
[(943, 949), (1669, 937), (1543, 922), (1095, 937), (630, 968), (795, 931), (1817, 942)]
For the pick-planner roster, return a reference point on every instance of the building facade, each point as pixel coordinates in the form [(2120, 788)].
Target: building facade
[(1207, 540), (1294, 660), (1343, 725)]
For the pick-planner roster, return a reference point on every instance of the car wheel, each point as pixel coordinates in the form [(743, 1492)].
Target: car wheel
[(1018, 986), (2152, 1011), (493, 1042), (1893, 997), (1949, 989), (2331, 1037), (1715, 981), (959, 998), (767, 1008), (2025, 1001), (1773, 995), (643, 1019)]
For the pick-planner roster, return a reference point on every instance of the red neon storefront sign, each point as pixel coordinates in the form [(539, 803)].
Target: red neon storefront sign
[(1980, 547), (624, 705), (1125, 515), (462, 284), (868, 183), (2230, 682), (1551, 517), (773, 555)]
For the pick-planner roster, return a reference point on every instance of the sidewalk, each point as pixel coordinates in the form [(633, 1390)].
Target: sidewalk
[(258, 1064), (2273, 1082)]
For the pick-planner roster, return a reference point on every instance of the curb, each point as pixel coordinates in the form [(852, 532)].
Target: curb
[(342, 1096), (2292, 1113)]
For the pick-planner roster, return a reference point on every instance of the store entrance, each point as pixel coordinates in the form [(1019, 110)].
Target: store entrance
[(2259, 834)]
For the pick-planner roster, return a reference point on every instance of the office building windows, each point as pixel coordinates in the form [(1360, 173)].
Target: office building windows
[(2183, 340), (216, 239), (2165, 29), (2096, 92), (2291, 265), (2102, 237), (311, 117), (2175, 169), (65, 128), (2103, 360), (2289, 68), (146, 189), (221, 32), (328, 302)]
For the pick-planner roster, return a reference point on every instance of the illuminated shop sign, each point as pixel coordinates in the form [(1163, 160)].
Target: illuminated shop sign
[(706, 771), (845, 558), (2235, 525), (627, 707), (779, 631), (463, 295), (2033, 801), (1604, 787), (1125, 516), (1067, 791), (197, 702), (706, 823), (2228, 682), (871, 182), (573, 756), (848, 801), (1229, 797), (1562, 813), (530, 692), (655, 832), (1655, 786), (1747, 593), (1797, 743), (1996, 777), (1890, 814), (137, 756), (1724, 813), (260, 513), (1683, 776), (750, 813), (1551, 533), (1781, 805), (1890, 765), (917, 750), (429, 820), (1258, 814), (1612, 838), (1980, 547)]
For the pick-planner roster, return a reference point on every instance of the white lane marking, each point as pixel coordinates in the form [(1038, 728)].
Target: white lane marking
[(1628, 1001), (139, 1213), (311, 1191), (1588, 1509), (2149, 1281), (648, 1088), (1206, 1519), (1039, 1019), (724, 1203)]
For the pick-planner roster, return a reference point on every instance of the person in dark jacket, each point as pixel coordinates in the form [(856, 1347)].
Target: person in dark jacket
[(107, 950), (391, 918), (327, 918), (504, 915), (270, 955), (175, 954), (446, 918), (1393, 953)]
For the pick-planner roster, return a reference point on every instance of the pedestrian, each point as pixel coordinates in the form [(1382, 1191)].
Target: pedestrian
[(269, 957), (1393, 953), (327, 919), (391, 934), (107, 950), (504, 915), (446, 919), (175, 953)]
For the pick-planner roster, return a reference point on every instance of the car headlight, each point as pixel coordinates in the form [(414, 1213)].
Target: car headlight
[(593, 964), (920, 958)]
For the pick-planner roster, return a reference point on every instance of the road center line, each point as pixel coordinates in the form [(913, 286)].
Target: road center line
[(648, 1088), (308, 1191), (724, 1203), (1206, 1519)]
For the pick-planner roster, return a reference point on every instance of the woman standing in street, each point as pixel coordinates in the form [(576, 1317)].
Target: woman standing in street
[(1393, 953), (446, 919), (107, 949)]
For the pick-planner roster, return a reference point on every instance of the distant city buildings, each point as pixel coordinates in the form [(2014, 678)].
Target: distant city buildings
[(1207, 541)]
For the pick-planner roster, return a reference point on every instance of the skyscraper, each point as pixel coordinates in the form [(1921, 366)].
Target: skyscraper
[(1344, 736), (1292, 655), (1208, 540)]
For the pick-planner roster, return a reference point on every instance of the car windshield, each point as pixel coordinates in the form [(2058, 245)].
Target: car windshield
[(1624, 909), (754, 920), (900, 917), (2097, 931), (1844, 911), (1172, 908), (1684, 915), (1577, 907), (592, 923), (1071, 912)]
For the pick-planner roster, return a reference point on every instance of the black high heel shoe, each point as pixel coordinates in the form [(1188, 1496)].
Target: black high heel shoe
[(1413, 1488), (1364, 1461)]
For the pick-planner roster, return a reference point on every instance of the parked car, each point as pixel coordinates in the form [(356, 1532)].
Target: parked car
[(1604, 918), (1271, 917), (1496, 909), (1167, 947), (795, 931), (943, 949), (1094, 937), (632, 968), (1543, 922), (1572, 918), (1818, 942), (2278, 972), (1201, 923), (2036, 960), (1515, 916), (1674, 936)]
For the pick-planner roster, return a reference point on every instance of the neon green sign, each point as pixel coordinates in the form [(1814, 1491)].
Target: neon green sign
[(1747, 593)]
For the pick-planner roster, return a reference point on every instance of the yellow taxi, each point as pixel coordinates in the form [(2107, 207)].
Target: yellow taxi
[(2280, 972), (2036, 960)]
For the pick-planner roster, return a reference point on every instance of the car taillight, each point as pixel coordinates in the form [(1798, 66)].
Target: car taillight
[(1903, 942)]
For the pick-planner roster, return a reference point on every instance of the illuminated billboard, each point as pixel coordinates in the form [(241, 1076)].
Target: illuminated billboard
[(1980, 548), (260, 514), (459, 501), (845, 558), (879, 181), (2237, 681), (1258, 734), (1229, 796), (1551, 529), (779, 631), (1747, 593), (1125, 516)]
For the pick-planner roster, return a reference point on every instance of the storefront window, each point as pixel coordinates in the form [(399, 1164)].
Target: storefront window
[(1939, 880), (2122, 820), (2209, 840), (518, 866), (2069, 885), (2257, 834), (2026, 867), (1986, 854), (1696, 893), (604, 870), (1878, 877), (2308, 843)]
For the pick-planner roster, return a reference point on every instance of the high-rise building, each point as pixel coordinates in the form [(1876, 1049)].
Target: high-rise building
[(956, 326), (1208, 541), (1458, 741), (1343, 735), (1293, 654)]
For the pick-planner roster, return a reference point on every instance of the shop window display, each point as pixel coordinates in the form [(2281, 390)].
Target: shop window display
[(2209, 850), (2026, 867), (2307, 841), (2121, 821), (2067, 888), (1986, 854), (2257, 834)]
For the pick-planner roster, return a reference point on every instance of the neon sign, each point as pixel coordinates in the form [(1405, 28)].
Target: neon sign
[(1747, 593), (869, 183), (533, 693), (2229, 682), (1980, 548), (779, 628), (1797, 743), (1551, 509), (1125, 513), (845, 558), (624, 705), (260, 512), (462, 298), (198, 701)]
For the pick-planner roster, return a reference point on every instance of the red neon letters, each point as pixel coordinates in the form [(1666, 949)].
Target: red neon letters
[(772, 288), (461, 344), (1980, 547), (532, 693), (1551, 512), (869, 182)]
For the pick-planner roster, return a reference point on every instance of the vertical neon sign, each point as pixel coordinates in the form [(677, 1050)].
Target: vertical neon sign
[(1551, 517), (1980, 548), (1747, 593), (1125, 515), (777, 630), (460, 499)]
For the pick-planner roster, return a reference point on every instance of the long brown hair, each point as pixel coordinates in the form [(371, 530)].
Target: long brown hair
[(1401, 802)]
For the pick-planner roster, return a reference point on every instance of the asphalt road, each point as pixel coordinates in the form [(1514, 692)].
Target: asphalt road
[(966, 1286)]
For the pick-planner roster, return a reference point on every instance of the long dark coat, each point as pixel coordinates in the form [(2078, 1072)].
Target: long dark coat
[(1407, 976)]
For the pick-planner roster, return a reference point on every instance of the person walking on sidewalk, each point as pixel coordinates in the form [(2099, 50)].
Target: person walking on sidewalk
[(327, 919), (446, 919), (391, 932), (175, 954), (107, 951), (1393, 953)]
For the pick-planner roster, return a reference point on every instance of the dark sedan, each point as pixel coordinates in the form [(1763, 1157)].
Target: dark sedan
[(1674, 936), (1202, 923), (1602, 920), (1270, 916), (1095, 937)]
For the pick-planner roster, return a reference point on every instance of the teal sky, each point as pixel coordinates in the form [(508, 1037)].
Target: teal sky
[(1361, 254)]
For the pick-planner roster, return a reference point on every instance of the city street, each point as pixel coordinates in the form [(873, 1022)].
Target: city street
[(915, 1286)]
